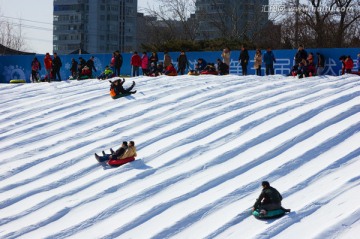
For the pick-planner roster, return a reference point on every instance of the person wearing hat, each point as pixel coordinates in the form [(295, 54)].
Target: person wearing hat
[(269, 199)]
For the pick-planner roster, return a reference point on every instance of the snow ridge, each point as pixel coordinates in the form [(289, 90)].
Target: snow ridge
[(204, 143)]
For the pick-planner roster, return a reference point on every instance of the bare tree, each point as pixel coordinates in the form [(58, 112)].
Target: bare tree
[(9, 36), (321, 23), (174, 19)]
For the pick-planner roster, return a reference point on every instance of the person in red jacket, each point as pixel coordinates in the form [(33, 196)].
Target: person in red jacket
[(170, 70), (349, 64), (135, 63), (48, 65)]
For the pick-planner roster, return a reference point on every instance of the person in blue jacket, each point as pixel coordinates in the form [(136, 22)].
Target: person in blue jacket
[(200, 66), (269, 60)]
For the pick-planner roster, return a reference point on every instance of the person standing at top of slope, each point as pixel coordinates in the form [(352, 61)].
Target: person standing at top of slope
[(244, 60), (135, 63), (226, 58), (48, 65), (114, 154), (56, 65), (269, 199)]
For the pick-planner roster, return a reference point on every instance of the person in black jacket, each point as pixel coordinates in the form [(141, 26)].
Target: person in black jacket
[(300, 55), (222, 67), (182, 63), (74, 68), (118, 62), (269, 199), (114, 154), (91, 65), (81, 65), (56, 65), (244, 59)]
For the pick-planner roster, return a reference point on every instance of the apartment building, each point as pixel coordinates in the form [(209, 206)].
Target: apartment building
[(96, 26)]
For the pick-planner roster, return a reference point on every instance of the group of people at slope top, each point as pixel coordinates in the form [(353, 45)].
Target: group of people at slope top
[(52, 67), (151, 66)]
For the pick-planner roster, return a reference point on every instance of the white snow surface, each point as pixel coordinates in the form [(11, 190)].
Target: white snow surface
[(204, 145)]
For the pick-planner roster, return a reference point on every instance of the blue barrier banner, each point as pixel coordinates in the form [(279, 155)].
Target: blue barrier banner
[(19, 66)]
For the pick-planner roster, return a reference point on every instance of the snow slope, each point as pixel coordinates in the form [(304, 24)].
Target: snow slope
[(204, 143)]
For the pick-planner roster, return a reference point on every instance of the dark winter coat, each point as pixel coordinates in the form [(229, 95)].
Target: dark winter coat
[(74, 66), (56, 63), (153, 59), (300, 55), (268, 195), (223, 68), (182, 62), (244, 57), (91, 65), (82, 64), (119, 152), (118, 60)]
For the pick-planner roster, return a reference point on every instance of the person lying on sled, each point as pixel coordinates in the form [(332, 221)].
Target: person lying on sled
[(269, 199), (114, 154)]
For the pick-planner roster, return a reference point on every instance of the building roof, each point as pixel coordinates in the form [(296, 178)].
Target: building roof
[(8, 51)]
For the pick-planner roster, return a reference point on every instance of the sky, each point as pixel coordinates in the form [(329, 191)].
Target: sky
[(36, 21)]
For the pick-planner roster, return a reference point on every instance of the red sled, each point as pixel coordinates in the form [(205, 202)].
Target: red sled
[(119, 162)]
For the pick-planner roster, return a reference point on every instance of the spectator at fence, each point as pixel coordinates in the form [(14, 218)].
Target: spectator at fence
[(183, 63), (48, 66), (74, 68), (226, 55), (56, 65), (135, 63), (145, 63), (269, 60), (349, 64), (167, 59), (258, 62), (300, 55), (112, 62), (81, 65), (118, 62), (342, 59), (320, 63), (311, 68), (244, 59), (35, 68), (91, 64), (154, 58)]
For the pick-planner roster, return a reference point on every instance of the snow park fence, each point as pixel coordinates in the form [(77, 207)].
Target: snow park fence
[(14, 67)]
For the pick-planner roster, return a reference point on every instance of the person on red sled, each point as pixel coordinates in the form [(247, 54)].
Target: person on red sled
[(269, 199), (125, 152), (114, 154)]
